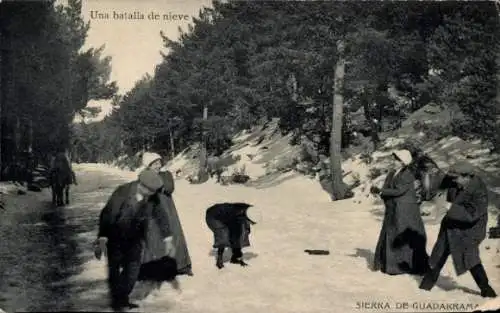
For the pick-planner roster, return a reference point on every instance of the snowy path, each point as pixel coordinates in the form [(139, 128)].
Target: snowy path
[(296, 215)]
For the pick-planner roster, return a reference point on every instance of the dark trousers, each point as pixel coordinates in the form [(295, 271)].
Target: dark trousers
[(124, 265), (236, 253), (477, 272)]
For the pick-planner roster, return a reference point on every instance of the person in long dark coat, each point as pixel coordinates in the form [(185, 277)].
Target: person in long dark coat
[(154, 240), (122, 232), (231, 228), (401, 245), (462, 229)]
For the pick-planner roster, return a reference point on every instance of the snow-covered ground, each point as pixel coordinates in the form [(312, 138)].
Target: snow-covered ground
[(295, 215)]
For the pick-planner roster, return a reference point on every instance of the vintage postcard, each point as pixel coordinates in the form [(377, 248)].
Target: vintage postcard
[(200, 156)]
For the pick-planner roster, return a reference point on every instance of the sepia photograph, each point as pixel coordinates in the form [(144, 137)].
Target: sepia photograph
[(226, 156)]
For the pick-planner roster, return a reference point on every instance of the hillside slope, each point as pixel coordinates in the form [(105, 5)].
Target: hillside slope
[(267, 157)]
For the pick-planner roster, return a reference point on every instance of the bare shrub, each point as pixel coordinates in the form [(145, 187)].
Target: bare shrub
[(433, 132), (374, 173)]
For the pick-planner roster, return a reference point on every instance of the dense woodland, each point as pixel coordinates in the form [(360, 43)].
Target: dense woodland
[(251, 61), (46, 78), (306, 62)]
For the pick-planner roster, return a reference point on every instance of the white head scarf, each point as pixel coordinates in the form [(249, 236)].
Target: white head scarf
[(147, 158), (404, 156)]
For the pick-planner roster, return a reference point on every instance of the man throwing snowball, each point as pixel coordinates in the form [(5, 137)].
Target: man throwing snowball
[(462, 229), (122, 231)]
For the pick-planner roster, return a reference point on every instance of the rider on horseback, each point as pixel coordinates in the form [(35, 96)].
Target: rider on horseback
[(61, 160), (61, 177)]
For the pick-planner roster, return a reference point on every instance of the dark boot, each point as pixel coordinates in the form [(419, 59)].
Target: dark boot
[(429, 280), (131, 305), (118, 305), (220, 261), (122, 304), (237, 256), (481, 279)]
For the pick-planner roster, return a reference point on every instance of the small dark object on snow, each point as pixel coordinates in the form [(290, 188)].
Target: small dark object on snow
[(240, 178), (21, 192), (494, 232), (317, 252), (164, 269)]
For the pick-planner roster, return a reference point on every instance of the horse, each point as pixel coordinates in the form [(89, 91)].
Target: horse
[(61, 177)]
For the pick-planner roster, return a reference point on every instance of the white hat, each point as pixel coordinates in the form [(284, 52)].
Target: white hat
[(404, 156), (149, 157)]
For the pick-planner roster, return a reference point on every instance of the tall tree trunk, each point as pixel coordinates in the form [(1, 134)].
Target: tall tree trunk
[(3, 90), (30, 135), (7, 96), (382, 101), (13, 99), (202, 174), (339, 188), (497, 139), (294, 88), (151, 143), (497, 50), (69, 101), (17, 136), (371, 112), (172, 146)]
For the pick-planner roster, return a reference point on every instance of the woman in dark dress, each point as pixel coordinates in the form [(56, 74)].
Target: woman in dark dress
[(401, 247), (154, 244)]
